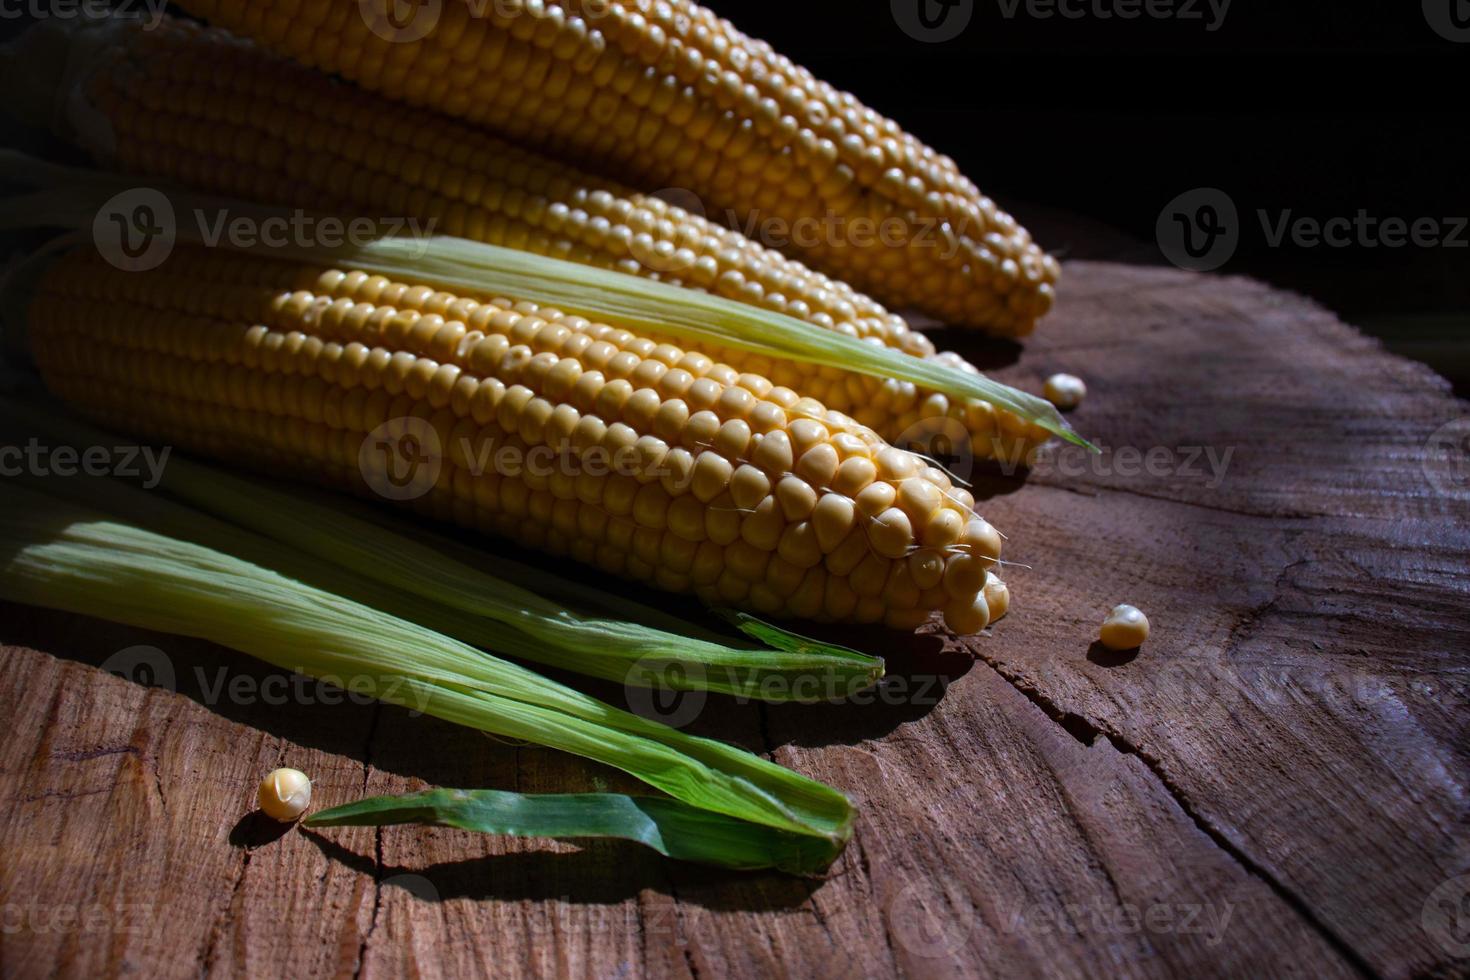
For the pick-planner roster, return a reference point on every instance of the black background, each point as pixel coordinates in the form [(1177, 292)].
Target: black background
[(1320, 108), (1087, 127)]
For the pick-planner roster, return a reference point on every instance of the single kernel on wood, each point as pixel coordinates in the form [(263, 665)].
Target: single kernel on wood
[(285, 794), (1065, 391), (1125, 628)]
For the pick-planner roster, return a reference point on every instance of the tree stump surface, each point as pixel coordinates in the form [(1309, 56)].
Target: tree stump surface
[(1276, 784)]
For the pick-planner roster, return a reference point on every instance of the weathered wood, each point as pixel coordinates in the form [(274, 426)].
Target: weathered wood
[(1275, 784)]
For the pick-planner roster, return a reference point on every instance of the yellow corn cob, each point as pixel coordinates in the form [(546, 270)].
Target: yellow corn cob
[(665, 93), (721, 483), (206, 109)]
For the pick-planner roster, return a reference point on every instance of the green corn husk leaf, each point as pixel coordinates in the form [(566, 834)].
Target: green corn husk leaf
[(59, 556), (667, 826), (615, 298), (420, 583)]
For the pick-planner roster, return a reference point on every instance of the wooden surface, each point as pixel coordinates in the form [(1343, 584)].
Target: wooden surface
[(1276, 784)]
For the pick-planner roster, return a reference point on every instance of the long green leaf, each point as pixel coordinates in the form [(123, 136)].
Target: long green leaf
[(671, 828), (457, 598), (59, 556)]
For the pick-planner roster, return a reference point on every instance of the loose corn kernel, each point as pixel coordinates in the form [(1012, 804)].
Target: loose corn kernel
[(1065, 391), (285, 794), (1125, 628)]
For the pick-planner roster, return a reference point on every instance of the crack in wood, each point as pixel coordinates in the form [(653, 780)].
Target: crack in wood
[(207, 959), (882, 910), (1072, 723), (367, 765)]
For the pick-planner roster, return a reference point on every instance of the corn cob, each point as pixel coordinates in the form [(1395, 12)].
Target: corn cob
[(665, 93), (733, 488), (209, 110)]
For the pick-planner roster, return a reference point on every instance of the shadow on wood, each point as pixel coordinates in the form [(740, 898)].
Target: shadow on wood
[(578, 876)]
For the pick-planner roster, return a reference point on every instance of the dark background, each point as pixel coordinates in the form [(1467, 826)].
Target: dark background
[(1086, 128), (1320, 108)]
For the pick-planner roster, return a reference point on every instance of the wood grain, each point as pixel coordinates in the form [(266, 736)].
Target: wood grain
[(1275, 784)]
